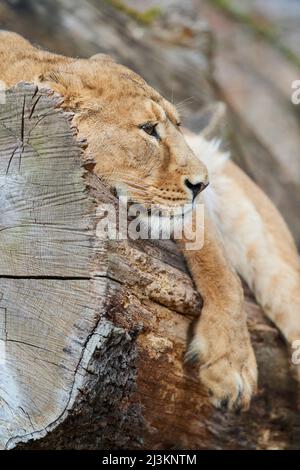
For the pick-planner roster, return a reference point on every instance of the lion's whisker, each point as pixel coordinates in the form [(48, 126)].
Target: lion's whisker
[(122, 178), (186, 100)]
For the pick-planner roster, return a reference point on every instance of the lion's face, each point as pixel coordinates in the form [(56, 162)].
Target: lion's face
[(134, 135)]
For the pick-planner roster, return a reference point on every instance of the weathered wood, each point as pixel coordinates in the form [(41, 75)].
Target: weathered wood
[(93, 331), (41, 206), (48, 301)]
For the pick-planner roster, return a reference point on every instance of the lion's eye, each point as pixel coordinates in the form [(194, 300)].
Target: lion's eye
[(150, 129), (178, 124)]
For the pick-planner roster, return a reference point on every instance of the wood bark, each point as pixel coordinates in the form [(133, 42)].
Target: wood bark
[(93, 332)]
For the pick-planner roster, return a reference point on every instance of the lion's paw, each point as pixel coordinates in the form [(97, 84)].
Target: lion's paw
[(228, 370)]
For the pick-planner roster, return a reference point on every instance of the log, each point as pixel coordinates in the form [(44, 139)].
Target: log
[(93, 331)]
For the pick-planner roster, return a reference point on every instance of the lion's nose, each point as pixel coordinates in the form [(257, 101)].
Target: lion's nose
[(196, 188)]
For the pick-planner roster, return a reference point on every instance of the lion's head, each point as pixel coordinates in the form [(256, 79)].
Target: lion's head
[(133, 133)]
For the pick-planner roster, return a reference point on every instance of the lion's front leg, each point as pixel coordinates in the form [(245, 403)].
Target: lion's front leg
[(221, 340)]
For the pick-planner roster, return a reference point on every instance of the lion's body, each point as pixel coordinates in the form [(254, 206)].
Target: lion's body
[(256, 239), (244, 232)]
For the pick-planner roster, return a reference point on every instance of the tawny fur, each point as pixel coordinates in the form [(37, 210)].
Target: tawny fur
[(243, 232)]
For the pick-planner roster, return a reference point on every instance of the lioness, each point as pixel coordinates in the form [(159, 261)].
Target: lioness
[(138, 145)]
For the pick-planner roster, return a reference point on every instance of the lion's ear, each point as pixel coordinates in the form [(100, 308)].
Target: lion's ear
[(102, 57), (213, 120), (66, 83)]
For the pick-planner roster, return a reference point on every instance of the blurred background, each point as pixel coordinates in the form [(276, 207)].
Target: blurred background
[(196, 53)]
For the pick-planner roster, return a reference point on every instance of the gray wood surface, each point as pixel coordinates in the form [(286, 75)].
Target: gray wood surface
[(47, 300), (43, 200)]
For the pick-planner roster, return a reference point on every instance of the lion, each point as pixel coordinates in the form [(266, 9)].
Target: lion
[(140, 148)]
